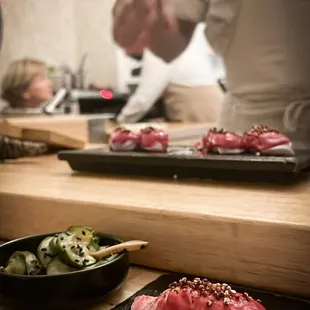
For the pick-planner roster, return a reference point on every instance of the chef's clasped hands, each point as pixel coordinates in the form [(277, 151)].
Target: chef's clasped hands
[(134, 21)]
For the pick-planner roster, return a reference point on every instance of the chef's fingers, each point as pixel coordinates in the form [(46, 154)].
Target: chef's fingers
[(120, 11), (132, 19), (165, 11), (141, 43)]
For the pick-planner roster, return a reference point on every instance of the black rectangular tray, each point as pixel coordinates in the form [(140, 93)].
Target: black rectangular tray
[(270, 301), (181, 161)]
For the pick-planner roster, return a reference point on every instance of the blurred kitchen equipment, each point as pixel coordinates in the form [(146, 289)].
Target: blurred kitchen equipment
[(97, 127), (50, 107), (66, 96), (78, 78)]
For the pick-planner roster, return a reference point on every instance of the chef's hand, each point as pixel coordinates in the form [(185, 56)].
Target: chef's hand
[(133, 21)]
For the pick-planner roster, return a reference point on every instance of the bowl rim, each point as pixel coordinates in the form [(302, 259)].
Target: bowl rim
[(45, 235)]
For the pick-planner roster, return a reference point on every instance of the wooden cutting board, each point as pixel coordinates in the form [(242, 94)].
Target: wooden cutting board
[(73, 126), (40, 135)]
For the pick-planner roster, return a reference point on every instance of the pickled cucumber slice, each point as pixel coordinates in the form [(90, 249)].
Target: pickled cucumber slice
[(16, 265), (102, 261), (44, 251), (72, 252), (86, 235), (53, 245), (33, 266), (56, 267)]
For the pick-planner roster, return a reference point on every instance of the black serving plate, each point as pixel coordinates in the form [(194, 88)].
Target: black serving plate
[(77, 290), (182, 162), (270, 301)]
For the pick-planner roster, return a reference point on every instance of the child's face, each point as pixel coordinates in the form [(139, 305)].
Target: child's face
[(39, 91)]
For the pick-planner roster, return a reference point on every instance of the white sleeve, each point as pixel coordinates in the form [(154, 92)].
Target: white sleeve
[(155, 78)]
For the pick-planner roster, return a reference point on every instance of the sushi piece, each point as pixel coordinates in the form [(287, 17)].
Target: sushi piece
[(221, 142), (153, 140), (123, 140), (197, 294), (263, 140)]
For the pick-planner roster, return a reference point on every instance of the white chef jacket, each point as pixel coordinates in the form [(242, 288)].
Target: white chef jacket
[(192, 68), (266, 50)]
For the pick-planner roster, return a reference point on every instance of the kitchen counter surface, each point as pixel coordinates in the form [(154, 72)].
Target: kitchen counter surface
[(137, 278), (253, 234)]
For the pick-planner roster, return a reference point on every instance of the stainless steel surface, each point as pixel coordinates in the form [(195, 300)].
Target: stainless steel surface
[(86, 94), (81, 67), (14, 112), (71, 91), (78, 80), (51, 106), (97, 127)]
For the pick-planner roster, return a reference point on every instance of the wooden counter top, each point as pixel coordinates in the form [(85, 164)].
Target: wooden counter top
[(253, 234), (137, 278), (47, 177)]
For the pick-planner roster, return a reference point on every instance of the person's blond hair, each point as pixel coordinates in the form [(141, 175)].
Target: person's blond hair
[(18, 78)]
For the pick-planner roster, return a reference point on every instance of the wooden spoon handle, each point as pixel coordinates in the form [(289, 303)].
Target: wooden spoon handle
[(127, 246)]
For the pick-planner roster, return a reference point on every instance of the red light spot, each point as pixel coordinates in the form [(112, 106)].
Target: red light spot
[(106, 94)]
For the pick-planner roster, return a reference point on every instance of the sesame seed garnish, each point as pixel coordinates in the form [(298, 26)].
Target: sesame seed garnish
[(227, 301), (203, 287)]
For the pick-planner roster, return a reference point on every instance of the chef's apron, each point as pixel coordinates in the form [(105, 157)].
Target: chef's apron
[(199, 104), (265, 46)]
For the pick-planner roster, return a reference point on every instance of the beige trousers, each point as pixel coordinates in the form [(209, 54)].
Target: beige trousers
[(193, 104)]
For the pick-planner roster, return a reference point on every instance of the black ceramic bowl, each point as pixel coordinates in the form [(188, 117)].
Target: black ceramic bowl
[(77, 290)]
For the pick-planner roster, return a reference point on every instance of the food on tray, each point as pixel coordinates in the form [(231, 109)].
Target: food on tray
[(123, 140), (267, 141), (72, 250), (14, 148), (149, 139), (153, 140), (259, 140), (221, 142), (197, 294)]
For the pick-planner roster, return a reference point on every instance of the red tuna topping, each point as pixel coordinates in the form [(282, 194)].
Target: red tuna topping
[(223, 142), (197, 295), (123, 139), (262, 138), (154, 140)]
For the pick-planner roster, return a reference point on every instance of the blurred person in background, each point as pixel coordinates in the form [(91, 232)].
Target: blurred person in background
[(13, 148), (188, 85), (26, 85)]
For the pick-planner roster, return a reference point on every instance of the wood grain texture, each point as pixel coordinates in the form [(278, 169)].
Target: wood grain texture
[(137, 278), (252, 234), (52, 138), (75, 127)]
